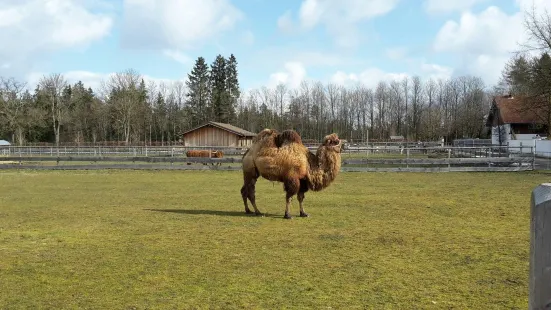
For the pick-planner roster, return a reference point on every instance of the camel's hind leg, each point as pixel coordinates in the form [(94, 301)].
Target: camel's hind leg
[(291, 187), (248, 191), (303, 189)]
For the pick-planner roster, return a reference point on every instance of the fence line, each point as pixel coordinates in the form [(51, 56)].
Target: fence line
[(470, 159), (180, 150)]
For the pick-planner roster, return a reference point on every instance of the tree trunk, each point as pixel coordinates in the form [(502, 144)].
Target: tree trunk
[(20, 136)]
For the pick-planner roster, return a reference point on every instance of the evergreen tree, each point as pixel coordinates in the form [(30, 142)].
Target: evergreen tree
[(517, 75), (541, 87), (232, 87), (198, 91), (219, 97)]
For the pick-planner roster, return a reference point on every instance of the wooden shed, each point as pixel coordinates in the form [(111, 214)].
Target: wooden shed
[(217, 134)]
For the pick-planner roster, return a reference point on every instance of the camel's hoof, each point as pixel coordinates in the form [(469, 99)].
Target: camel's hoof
[(304, 214), (248, 211), (287, 216)]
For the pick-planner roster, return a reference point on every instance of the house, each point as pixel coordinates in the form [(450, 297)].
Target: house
[(397, 138), (516, 118), (217, 134)]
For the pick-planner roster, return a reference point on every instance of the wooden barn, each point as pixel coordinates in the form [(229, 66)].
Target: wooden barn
[(217, 134)]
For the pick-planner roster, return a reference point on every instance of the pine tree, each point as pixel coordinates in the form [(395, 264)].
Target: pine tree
[(541, 87), (232, 87), (219, 98), (198, 91)]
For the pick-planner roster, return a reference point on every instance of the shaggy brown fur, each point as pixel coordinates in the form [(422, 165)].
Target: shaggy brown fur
[(204, 153), (287, 136), (283, 158)]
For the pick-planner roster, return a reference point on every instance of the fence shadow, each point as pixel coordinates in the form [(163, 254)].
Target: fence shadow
[(209, 212)]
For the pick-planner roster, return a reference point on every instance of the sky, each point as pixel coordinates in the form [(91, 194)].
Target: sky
[(287, 41)]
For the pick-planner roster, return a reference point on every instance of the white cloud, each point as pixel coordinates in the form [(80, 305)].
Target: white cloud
[(292, 75), (279, 55), (482, 33), (31, 29), (176, 24), (369, 77), (340, 17), (177, 56), (478, 40), (448, 6), (434, 71), (90, 79)]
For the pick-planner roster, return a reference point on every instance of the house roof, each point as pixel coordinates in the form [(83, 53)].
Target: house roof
[(236, 130), (518, 110)]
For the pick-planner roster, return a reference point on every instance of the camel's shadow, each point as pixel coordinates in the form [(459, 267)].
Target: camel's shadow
[(210, 212)]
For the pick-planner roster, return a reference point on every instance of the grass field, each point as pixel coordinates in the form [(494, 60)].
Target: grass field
[(169, 239)]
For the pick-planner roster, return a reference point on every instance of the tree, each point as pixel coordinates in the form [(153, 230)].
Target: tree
[(12, 107), (517, 75), (417, 105), (539, 30), (232, 87), (53, 87), (198, 91), (124, 101), (82, 114), (220, 101)]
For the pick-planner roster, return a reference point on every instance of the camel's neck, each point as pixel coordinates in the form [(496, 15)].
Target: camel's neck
[(325, 170)]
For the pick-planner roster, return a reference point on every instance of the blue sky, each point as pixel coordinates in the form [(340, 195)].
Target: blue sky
[(344, 41)]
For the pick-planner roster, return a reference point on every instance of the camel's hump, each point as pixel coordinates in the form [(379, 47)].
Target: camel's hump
[(287, 136)]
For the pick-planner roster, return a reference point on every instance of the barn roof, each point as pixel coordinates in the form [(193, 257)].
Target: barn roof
[(233, 129), (517, 110)]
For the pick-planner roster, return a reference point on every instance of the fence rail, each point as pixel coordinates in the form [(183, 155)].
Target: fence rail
[(429, 159)]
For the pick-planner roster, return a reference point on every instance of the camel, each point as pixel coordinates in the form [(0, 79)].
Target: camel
[(282, 157)]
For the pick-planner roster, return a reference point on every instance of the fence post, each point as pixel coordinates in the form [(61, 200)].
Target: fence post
[(534, 157), (449, 159), (540, 248)]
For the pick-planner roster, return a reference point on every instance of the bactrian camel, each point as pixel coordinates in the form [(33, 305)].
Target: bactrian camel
[(281, 157)]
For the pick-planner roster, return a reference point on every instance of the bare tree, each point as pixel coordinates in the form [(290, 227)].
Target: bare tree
[(431, 123), (406, 90), (381, 98), (539, 30), (52, 87), (280, 95), (417, 105), (332, 97), (13, 108), (124, 99)]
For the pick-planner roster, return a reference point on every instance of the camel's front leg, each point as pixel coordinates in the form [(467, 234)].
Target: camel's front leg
[(288, 207), (300, 197)]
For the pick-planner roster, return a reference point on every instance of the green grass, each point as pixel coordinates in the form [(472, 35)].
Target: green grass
[(169, 239)]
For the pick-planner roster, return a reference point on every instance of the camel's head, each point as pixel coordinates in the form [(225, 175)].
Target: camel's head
[(332, 142)]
